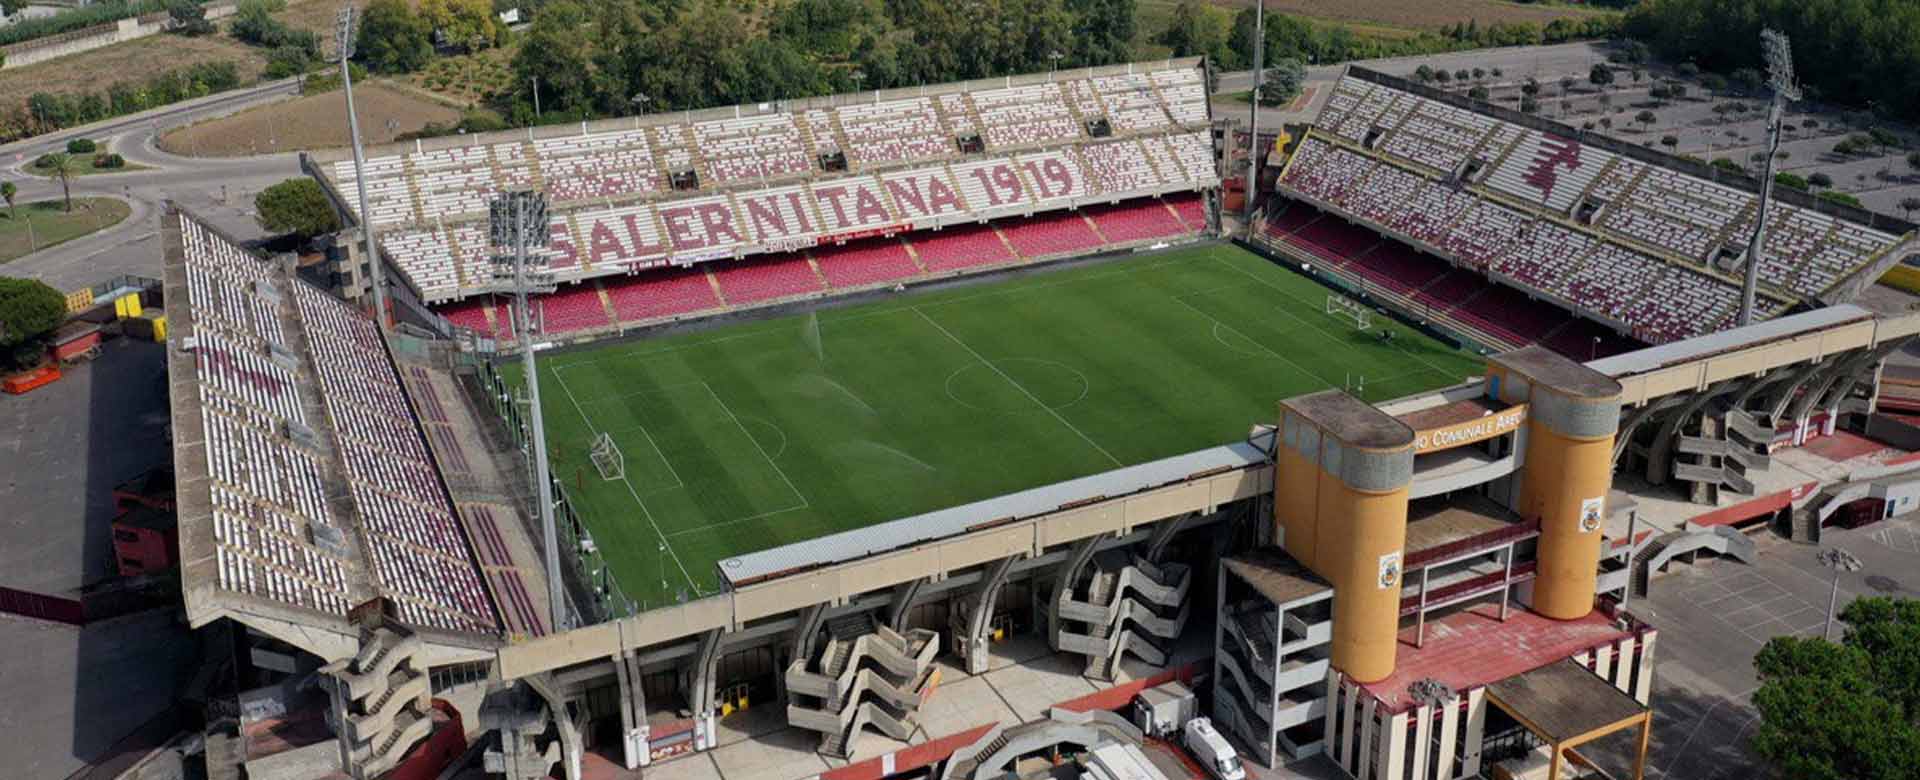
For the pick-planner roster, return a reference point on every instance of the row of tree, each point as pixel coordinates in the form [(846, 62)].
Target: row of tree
[(46, 112), (1859, 52), (1199, 27), (620, 56)]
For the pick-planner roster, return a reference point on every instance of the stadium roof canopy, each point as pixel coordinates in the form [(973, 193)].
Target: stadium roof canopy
[(685, 188)]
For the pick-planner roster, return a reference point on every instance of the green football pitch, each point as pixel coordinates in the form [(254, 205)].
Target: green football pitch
[(753, 435)]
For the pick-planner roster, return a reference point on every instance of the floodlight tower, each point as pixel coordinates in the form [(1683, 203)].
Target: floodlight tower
[(1779, 56), (343, 35), (517, 229), (1253, 121)]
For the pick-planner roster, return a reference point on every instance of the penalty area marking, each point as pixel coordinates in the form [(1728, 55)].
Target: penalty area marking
[(631, 491)]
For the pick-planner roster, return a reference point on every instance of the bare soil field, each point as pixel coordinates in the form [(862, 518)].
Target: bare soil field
[(310, 122), (1420, 14), (134, 60)]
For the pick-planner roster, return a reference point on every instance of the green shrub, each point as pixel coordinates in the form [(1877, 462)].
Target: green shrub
[(1785, 179), (81, 146), (1840, 197), (110, 161)]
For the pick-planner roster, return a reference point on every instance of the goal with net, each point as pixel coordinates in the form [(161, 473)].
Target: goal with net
[(1349, 310), (607, 458)]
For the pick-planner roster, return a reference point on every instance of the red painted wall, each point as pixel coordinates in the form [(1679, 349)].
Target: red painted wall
[(437, 751)]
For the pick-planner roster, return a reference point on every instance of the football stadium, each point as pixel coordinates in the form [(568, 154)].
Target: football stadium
[(917, 433)]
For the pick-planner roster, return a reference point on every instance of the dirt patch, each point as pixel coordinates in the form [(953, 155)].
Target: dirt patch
[(1419, 14), (310, 122), (134, 60)]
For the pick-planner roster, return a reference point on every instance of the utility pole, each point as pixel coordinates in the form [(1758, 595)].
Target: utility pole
[(1779, 57), (517, 222), (343, 34), (1253, 98)]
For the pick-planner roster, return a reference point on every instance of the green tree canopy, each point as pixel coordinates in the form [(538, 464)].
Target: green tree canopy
[(296, 206), (1282, 82), (1846, 710), (29, 310), (464, 24), (393, 39)]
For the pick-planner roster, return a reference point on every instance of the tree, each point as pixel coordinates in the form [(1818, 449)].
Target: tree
[(1462, 74), (464, 24), (1601, 76), (1844, 711), (1670, 141), (1913, 161), (1530, 88), (9, 191), (556, 56), (1442, 76), (1820, 181), (1606, 123), (295, 206), (64, 167), (393, 39), (1423, 74), (1909, 205), (1479, 93), (1479, 73), (29, 310), (1687, 70), (1498, 73), (188, 18), (1566, 84), (1283, 82), (1645, 118)]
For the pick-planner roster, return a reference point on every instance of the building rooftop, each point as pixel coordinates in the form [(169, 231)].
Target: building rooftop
[(1564, 701), (1472, 648), (1451, 413), (1547, 367), (1436, 523), (1351, 420), (1276, 575)]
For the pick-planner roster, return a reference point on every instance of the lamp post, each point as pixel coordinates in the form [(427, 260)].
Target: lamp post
[(343, 34), (1838, 560)]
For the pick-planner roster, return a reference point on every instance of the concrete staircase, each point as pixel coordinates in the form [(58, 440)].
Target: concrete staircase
[(1132, 607), (387, 698), (867, 675)]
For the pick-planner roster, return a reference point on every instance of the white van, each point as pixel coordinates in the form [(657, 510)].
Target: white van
[(1210, 748)]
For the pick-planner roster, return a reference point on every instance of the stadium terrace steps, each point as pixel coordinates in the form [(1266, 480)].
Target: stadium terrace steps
[(279, 460), (758, 185), (961, 246), (1137, 221), (865, 263), (660, 294), (1408, 164), (867, 674), (1051, 234)]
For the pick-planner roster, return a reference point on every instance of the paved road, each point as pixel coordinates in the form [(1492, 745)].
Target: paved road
[(221, 190)]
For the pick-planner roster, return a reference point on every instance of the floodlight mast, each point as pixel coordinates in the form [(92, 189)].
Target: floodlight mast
[(1253, 113), (1779, 56), (517, 222), (343, 36)]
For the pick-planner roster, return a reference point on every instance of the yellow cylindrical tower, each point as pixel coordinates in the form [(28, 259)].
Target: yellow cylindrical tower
[(1344, 471), (1573, 416), (1296, 486)]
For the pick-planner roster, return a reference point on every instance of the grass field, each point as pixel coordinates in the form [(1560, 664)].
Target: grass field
[(310, 122), (750, 436), (43, 223)]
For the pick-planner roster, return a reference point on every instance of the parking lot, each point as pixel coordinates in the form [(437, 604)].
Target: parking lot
[(1713, 617)]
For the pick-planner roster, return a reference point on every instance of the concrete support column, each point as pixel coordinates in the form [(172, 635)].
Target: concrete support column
[(983, 603), (703, 682), (633, 711)]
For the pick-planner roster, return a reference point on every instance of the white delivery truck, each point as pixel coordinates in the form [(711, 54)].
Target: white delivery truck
[(1211, 748), (1161, 710)]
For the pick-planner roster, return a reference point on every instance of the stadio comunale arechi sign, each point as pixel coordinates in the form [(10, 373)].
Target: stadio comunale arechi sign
[(1498, 423)]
